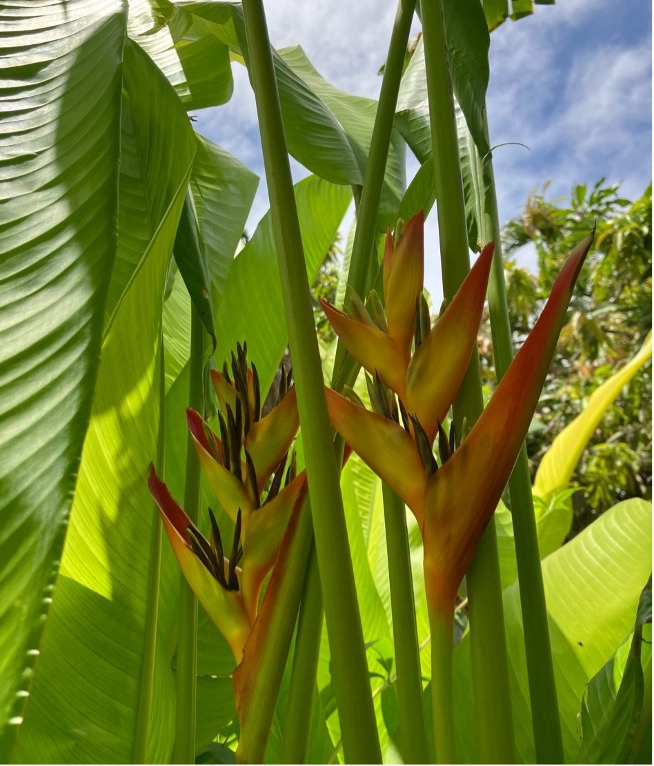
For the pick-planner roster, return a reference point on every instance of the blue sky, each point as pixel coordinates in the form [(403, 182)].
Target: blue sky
[(572, 82)]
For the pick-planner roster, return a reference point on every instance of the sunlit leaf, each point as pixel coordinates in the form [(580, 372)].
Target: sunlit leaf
[(60, 101), (195, 62), (592, 587), (97, 621), (560, 460), (252, 306)]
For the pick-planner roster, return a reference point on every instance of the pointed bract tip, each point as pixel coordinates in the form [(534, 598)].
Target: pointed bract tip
[(167, 505), (413, 233), (196, 427)]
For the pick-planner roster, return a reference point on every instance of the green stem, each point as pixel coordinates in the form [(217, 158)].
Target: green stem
[(442, 647), (412, 737), (184, 748), (360, 276), (493, 714), (349, 663), (262, 696), (139, 753), (363, 257), (364, 236), (490, 679), (305, 665), (540, 668)]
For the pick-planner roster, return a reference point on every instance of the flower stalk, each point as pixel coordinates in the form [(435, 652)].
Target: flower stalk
[(453, 498), (350, 670), (412, 736), (297, 727), (540, 670), (441, 625), (487, 632), (361, 275)]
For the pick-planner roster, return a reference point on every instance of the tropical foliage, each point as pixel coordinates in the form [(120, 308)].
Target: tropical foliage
[(610, 319), (145, 352)]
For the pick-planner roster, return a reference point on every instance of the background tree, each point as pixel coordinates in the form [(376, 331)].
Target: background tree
[(609, 318)]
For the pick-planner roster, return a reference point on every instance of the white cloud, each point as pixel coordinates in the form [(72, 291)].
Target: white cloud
[(581, 103), (346, 40)]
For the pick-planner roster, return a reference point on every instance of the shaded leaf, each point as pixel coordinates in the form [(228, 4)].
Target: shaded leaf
[(609, 717), (189, 256)]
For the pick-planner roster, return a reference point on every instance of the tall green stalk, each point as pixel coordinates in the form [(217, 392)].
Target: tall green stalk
[(542, 687), (262, 695), (184, 747), (139, 752), (488, 639), (364, 236), (350, 668), (442, 629), (360, 276), (297, 727), (412, 737)]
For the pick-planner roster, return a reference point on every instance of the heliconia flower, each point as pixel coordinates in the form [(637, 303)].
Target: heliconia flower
[(230, 593), (248, 472), (439, 363), (224, 605), (239, 463), (403, 280), (426, 383), (453, 503), (266, 438)]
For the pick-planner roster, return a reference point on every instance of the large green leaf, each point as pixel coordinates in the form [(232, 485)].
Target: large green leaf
[(412, 108), (177, 334), (468, 44), (192, 58), (87, 686), (592, 586), (357, 116), (313, 134), (189, 257), (143, 200), (223, 190), (60, 93), (560, 460), (252, 308), (361, 493), (610, 715)]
